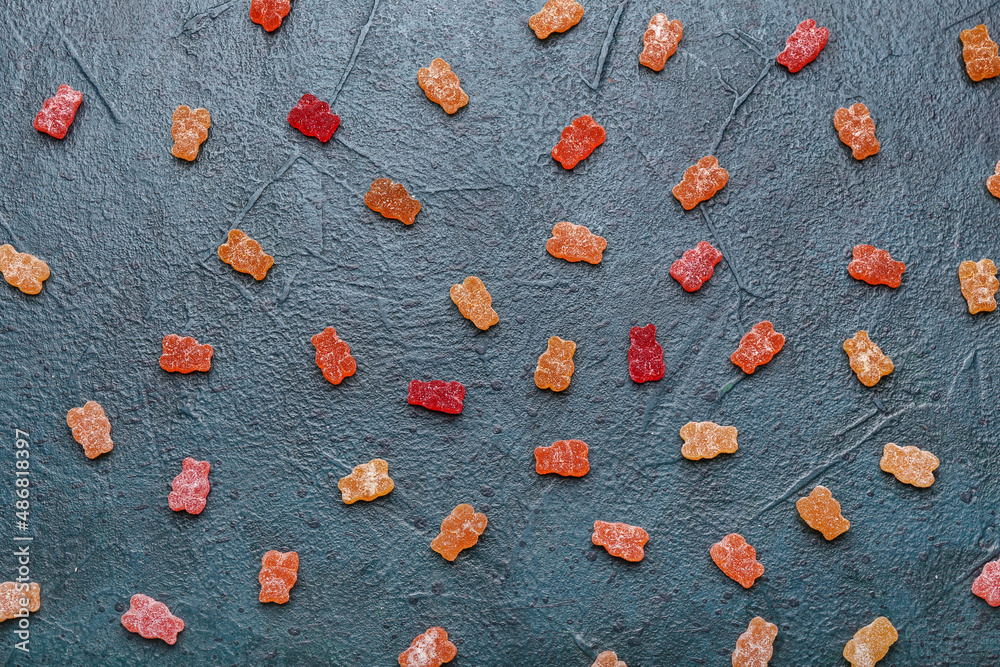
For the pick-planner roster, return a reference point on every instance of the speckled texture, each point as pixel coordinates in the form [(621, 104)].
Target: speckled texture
[(130, 234)]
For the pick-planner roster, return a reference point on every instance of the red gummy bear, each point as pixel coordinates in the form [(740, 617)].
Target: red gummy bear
[(183, 355), (563, 457), (333, 356), (269, 13), (621, 540), (696, 266), (190, 488), (758, 347), (578, 140), (58, 112), (737, 559), (278, 573), (645, 356), (431, 649), (312, 117), (152, 619), (875, 266), (437, 395), (987, 584), (803, 45)]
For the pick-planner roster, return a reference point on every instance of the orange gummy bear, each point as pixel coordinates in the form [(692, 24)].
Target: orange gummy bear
[(15, 597), (23, 271), (993, 182), (190, 130), (979, 285), (737, 559), (867, 360), (857, 129), (459, 530), (556, 16), (871, 643), (755, 647), (660, 41), (576, 243), (278, 573), (333, 356), (474, 302), (555, 367), (910, 465), (392, 200), (608, 659), (268, 13), (979, 53), (578, 140), (700, 183), (91, 428), (563, 457), (621, 540), (875, 266), (822, 512), (367, 481), (706, 440), (431, 649), (245, 255), (757, 347), (441, 86), (185, 354)]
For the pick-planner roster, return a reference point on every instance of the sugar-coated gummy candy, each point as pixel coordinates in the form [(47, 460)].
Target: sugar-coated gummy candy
[(17, 596), (578, 140), (871, 643), (803, 46), (857, 129), (621, 540), (23, 271), (979, 53), (910, 465), (660, 41), (556, 16), (993, 182), (367, 481), (189, 130), (737, 559), (151, 619), (576, 243), (700, 183), (333, 356), (437, 395), (278, 573), (184, 355), (268, 13), (608, 659), (313, 118), (189, 490), (459, 530), (867, 360), (431, 649), (474, 302), (441, 85), (58, 112), (91, 428), (706, 440), (987, 584), (392, 200), (979, 285), (245, 255), (645, 355), (695, 266), (555, 367), (563, 457), (875, 266), (755, 647), (757, 347), (821, 511)]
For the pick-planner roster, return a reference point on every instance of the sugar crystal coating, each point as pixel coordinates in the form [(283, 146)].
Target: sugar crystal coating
[(474, 302), (58, 112), (151, 619), (189, 490), (278, 573), (757, 347), (91, 428), (563, 457), (910, 465), (189, 130), (576, 243), (608, 659), (268, 13), (578, 140), (442, 86), (437, 395), (23, 271), (431, 649), (867, 360), (803, 46), (979, 285), (245, 255), (755, 647), (821, 512), (313, 118), (993, 182), (367, 481), (737, 559), (645, 355), (621, 540), (875, 266), (700, 183), (18, 596), (184, 355), (459, 530), (556, 16), (706, 440), (987, 584), (333, 356), (857, 129), (392, 200), (979, 53), (660, 41), (555, 366), (696, 266), (870, 643)]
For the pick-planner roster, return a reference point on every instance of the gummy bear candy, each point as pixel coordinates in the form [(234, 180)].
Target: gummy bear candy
[(269, 13), (875, 266), (979, 284), (621, 540), (696, 266), (755, 647), (190, 130), (313, 118), (441, 86), (17, 596), (91, 428), (993, 182), (660, 41), (822, 512), (737, 559), (333, 356), (474, 302), (608, 659), (431, 649), (757, 347), (245, 255), (151, 619), (183, 355), (700, 183), (645, 356), (910, 465), (437, 395), (803, 46), (556, 16), (706, 440), (367, 481), (189, 490), (857, 129), (578, 140), (867, 360), (459, 530), (278, 573), (57, 113), (563, 457), (23, 271), (986, 585), (979, 53), (392, 200), (870, 643), (555, 367), (576, 243)]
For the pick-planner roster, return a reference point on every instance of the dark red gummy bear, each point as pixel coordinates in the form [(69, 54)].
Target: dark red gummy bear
[(578, 140), (183, 355), (696, 266), (803, 45), (437, 395), (645, 356), (190, 488), (312, 117), (58, 112)]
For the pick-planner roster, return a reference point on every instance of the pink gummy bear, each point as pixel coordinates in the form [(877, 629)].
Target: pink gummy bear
[(696, 266), (191, 487), (987, 584), (152, 619)]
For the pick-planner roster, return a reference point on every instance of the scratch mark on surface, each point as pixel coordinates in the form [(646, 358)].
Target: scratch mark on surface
[(725, 253), (87, 75), (287, 288), (966, 365), (737, 103), (729, 385), (966, 18), (256, 195), (199, 21), (354, 54), (752, 43), (606, 47)]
